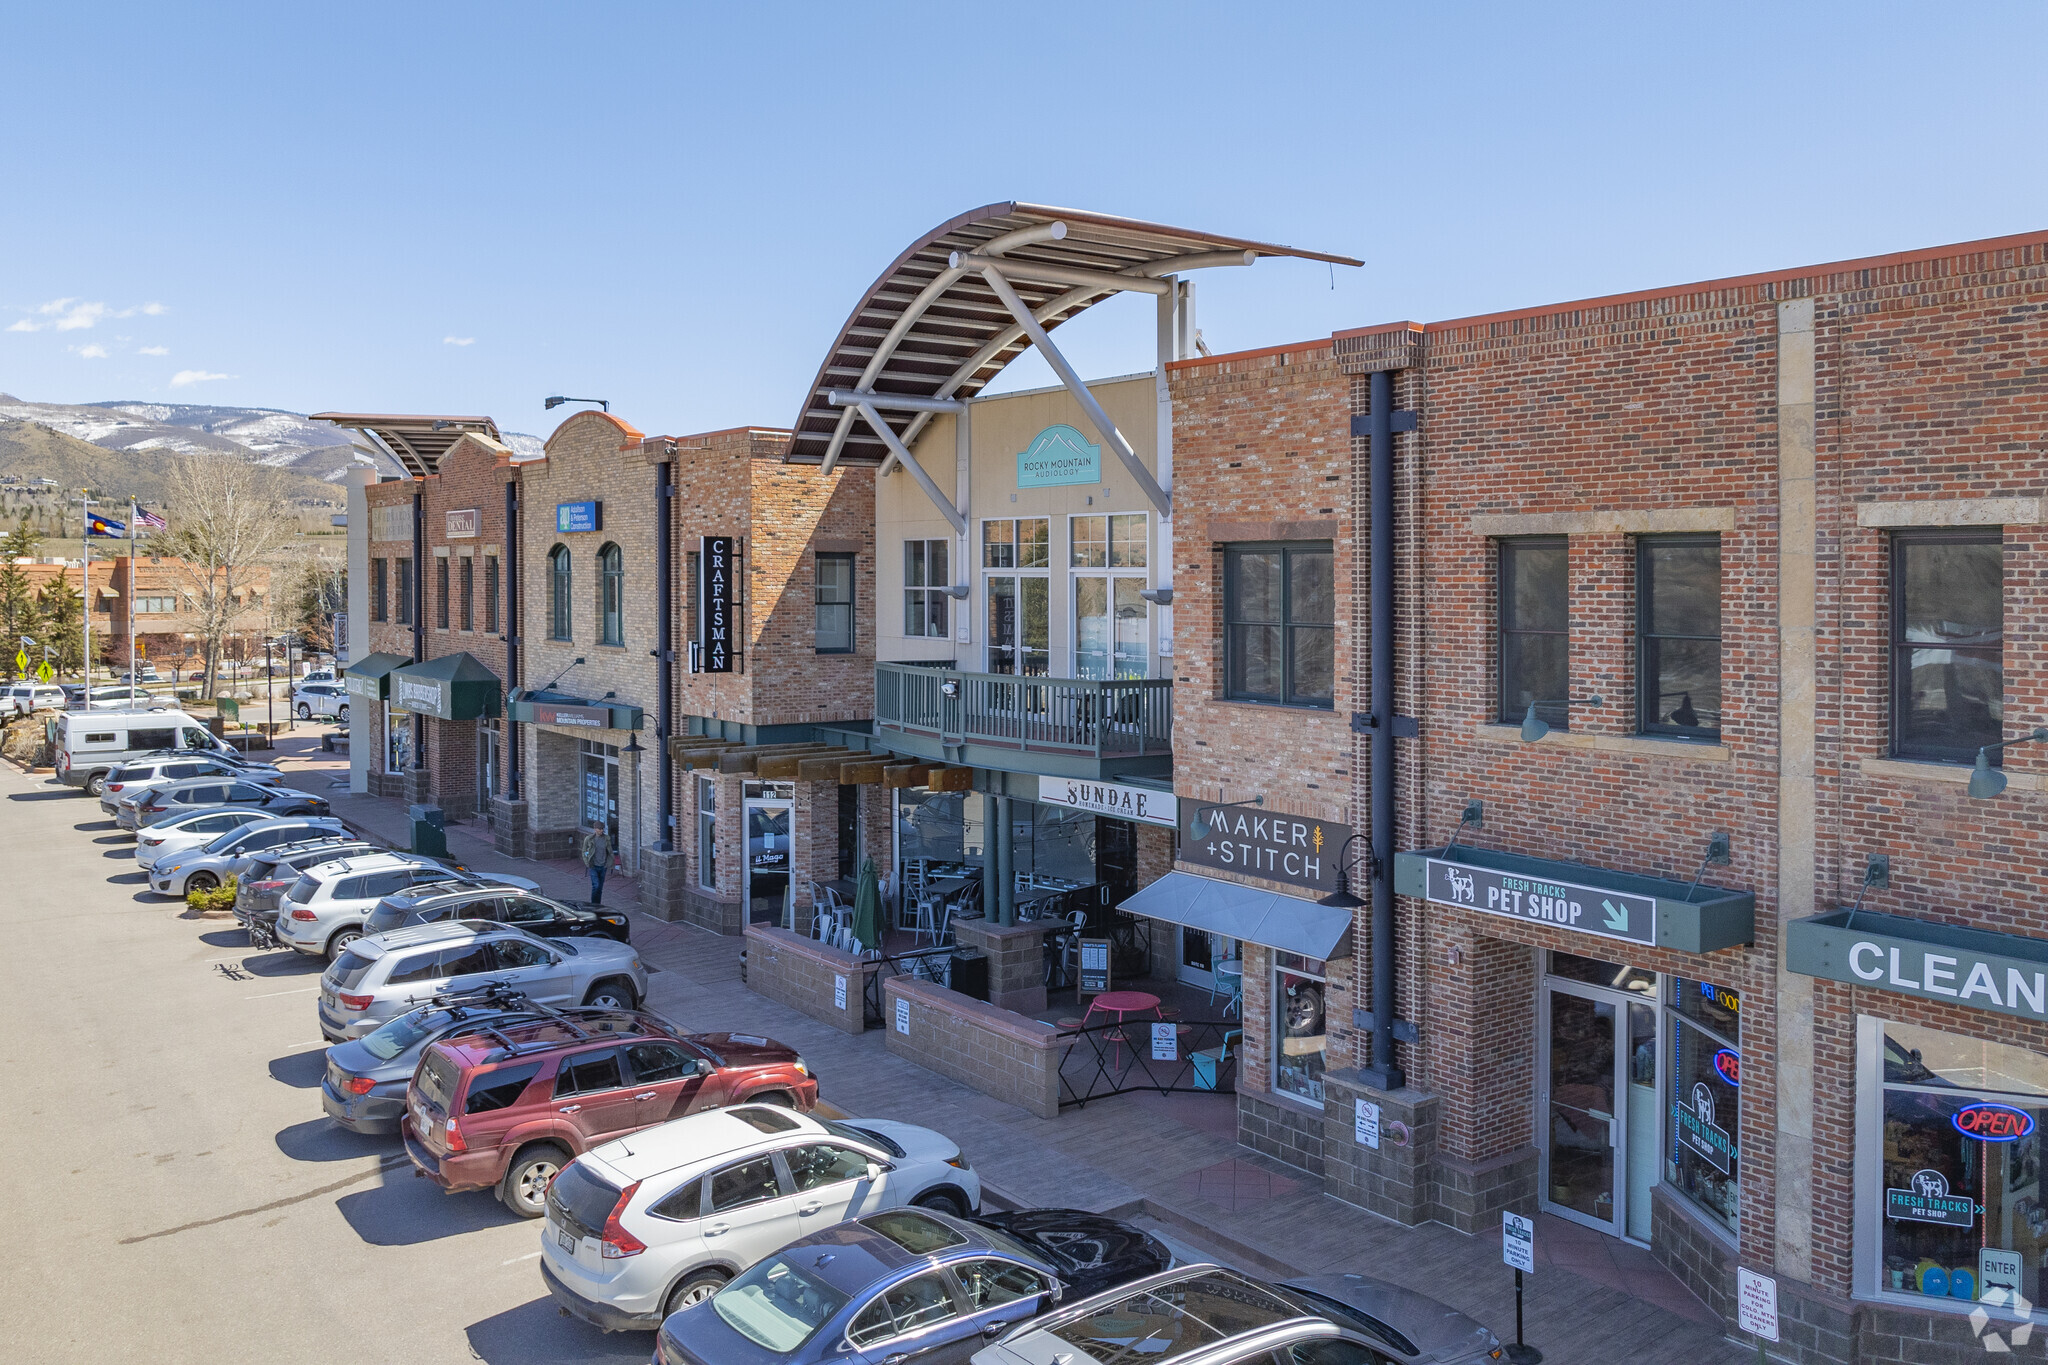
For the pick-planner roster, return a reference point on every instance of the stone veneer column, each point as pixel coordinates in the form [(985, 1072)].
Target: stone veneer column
[(1396, 1179), (664, 883), (1797, 794), (1016, 961), (508, 827)]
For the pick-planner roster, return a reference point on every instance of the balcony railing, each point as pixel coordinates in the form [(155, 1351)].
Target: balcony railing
[(1074, 716)]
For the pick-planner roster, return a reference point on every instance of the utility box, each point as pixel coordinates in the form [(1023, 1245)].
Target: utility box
[(429, 831), (968, 974)]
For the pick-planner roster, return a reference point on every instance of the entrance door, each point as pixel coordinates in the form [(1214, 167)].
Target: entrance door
[(768, 860), (1580, 1104), (486, 766), (600, 798)]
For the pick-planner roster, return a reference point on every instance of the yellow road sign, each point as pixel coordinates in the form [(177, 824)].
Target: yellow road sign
[(44, 672), (21, 660)]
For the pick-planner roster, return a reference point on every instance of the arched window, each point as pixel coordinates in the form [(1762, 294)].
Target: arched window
[(558, 593), (611, 596)]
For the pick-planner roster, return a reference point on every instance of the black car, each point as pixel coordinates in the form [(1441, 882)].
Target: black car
[(1093, 1253), (437, 901)]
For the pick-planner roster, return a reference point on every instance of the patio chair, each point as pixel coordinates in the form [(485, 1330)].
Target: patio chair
[(1227, 981), (1208, 1062)]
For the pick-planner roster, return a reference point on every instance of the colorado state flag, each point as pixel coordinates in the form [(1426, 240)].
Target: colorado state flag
[(105, 526)]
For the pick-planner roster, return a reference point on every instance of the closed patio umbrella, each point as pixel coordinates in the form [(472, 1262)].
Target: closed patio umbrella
[(867, 907)]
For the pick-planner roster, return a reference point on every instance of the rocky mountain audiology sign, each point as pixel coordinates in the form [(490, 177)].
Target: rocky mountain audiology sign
[(1057, 456), (1573, 896), (2003, 973)]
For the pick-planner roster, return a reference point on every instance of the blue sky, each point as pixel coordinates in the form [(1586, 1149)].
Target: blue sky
[(443, 208)]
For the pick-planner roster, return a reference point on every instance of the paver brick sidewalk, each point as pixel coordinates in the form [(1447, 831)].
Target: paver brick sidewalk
[(1170, 1159)]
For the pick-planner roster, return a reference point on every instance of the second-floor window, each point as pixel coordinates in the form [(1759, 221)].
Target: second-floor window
[(380, 596), (405, 602), (1678, 636), (1534, 649), (1948, 643), (835, 604), (155, 606), (440, 592), (558, 593), (491, 593), (468, 593), (1280, 623), (611, 596), (925, 579)]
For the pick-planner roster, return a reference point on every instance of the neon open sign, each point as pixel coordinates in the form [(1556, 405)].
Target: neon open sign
[(1993, 1122), (1729, 1066)]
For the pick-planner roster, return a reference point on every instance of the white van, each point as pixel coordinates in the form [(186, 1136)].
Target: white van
[(91, 744)]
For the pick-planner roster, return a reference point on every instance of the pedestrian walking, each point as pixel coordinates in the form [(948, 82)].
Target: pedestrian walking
[(597, 856)]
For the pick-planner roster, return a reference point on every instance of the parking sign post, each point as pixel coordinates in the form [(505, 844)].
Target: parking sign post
[(1518, 1249)]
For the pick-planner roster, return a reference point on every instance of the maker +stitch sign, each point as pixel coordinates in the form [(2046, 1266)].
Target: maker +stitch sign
[(1588, 909), (1057, 456), (1285, 848)]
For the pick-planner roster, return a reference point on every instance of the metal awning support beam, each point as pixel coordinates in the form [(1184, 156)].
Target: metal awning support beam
[(852, 398), (1011, 268), (903, 457), (1099, 419)]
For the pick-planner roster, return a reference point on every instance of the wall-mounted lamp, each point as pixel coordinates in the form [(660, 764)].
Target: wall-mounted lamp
[(1474, 814), (1341, 898), (1987, 781), (1877, 872), (558, 400), (1534, 727), (1718, 852), (1158, 597), (1200, 826), (959, 591), (949, 687)]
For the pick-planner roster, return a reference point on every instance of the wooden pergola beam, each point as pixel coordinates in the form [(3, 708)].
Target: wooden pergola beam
[(783, 767), (823, 767), (905, 774), (745, 760), (951, 780), (861, 772)]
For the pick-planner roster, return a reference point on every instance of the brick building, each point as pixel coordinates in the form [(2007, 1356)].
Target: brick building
[(1709, 604), (162, 594)]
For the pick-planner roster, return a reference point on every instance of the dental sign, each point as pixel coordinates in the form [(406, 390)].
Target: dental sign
[(1536, 900)]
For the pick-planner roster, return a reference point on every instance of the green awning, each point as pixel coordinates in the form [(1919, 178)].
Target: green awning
[(576, 713), (371, 679), (452, 687)]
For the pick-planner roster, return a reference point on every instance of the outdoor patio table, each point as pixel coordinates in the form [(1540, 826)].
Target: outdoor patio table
[(1122, 1004)]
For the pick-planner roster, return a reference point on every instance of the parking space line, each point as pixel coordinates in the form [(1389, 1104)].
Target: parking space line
[(517, 1259), (272, 995)]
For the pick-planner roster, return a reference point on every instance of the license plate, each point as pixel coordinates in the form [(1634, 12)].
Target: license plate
[(569, 1244)]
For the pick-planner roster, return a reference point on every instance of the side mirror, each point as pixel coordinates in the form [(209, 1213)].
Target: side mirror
[(874, 1170)]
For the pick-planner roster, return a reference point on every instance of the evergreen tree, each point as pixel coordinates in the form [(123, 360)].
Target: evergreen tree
[(20, 614)]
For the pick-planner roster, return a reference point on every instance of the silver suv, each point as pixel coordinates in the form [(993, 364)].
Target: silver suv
[(207, 866), (324, 910), (143, 774), (381, 977)]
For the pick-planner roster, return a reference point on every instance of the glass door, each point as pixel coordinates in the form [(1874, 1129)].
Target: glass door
[(1579, 1083), (768, 860)]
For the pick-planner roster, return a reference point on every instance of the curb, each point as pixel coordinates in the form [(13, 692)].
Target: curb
[(1202, 1232)]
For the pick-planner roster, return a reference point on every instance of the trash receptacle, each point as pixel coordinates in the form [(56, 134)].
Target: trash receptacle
[(968, 974), (429, 831)]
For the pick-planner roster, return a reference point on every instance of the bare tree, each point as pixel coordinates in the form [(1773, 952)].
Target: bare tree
[(228, 522)]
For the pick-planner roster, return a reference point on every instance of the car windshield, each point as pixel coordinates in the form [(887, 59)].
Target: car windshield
[(302, 890), (777, 1305), (1175, 1319), (855, 1133), (917, 1233), (348, 969), (403, 1034), (1346, 1316)]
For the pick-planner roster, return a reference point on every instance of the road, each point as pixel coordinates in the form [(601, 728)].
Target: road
[(176, 1190)]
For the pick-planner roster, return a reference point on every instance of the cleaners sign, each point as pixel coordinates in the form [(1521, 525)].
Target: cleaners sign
[(1588, 909)]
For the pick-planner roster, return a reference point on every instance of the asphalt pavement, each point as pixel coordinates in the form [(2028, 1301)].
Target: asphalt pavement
[(176, 1192)]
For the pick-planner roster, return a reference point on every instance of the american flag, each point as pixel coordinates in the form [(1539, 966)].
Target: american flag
[(151, 520)]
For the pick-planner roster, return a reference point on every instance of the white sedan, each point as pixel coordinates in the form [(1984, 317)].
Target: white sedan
[(643, 1226), (183, 832)]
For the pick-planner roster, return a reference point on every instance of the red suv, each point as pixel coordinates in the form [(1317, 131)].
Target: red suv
[(505, 1108)]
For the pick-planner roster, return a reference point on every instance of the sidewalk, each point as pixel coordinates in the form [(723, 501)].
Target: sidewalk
[(1172, 1160)]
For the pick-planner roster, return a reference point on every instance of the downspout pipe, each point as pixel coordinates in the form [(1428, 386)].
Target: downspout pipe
[(1383, 1073), (665, 646), (510, 608), (419, 613)]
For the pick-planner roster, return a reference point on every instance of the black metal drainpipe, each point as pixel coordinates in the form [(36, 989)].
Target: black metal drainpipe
[(419, 616), (665, 646), (1383, 1073), (510, 608)]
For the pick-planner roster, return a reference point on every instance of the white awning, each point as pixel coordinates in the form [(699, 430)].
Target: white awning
[(1267, 918)]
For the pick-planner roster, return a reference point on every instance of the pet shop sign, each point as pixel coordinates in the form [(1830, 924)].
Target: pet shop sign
[(1538, 900)]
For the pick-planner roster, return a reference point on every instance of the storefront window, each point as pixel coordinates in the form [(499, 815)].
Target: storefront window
[(1960, 1205), (397, 739), (1058, 844), (1613, 975), (1299, 1030), (941, 827), (1702, 1161), (707, 832)]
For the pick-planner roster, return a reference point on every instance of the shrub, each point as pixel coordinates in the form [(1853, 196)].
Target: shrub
[(221, 897)]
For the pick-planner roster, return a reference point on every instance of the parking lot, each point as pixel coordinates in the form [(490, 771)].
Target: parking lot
[(179, 1193)]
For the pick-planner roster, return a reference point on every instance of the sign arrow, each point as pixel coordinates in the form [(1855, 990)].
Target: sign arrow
[(1617, 916)]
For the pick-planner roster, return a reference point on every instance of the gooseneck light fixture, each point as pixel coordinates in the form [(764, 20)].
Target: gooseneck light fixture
[(558, 400), (1341, 898), (1987, 781), (1534, 727), (1200, 826)]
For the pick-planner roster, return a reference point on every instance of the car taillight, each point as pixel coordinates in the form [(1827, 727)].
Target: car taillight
[(355, 1002), (115, 786), (359, 1085), (619, 1243), (267, 886), (302, 913), (454, 1137)]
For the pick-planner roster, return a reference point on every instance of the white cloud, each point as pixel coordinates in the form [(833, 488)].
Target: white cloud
[(184, 377), (73, 315), (458, 341), (92, 352), (154, 350)]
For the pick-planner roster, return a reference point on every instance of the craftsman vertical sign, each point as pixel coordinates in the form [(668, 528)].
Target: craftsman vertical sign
[(716, 613)]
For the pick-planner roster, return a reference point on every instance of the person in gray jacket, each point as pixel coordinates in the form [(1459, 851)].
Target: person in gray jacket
[(597, 856)]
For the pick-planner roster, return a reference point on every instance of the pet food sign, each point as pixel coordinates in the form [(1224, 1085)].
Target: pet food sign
[(1538, 900)]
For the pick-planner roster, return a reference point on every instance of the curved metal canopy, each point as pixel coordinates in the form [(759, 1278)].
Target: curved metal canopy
[(934, 327), (416, 442)]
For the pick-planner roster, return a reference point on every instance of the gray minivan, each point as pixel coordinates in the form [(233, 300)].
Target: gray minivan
[(91, 744)]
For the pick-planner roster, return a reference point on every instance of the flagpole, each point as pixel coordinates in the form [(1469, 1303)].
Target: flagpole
[(85, 584), (134, 529)]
